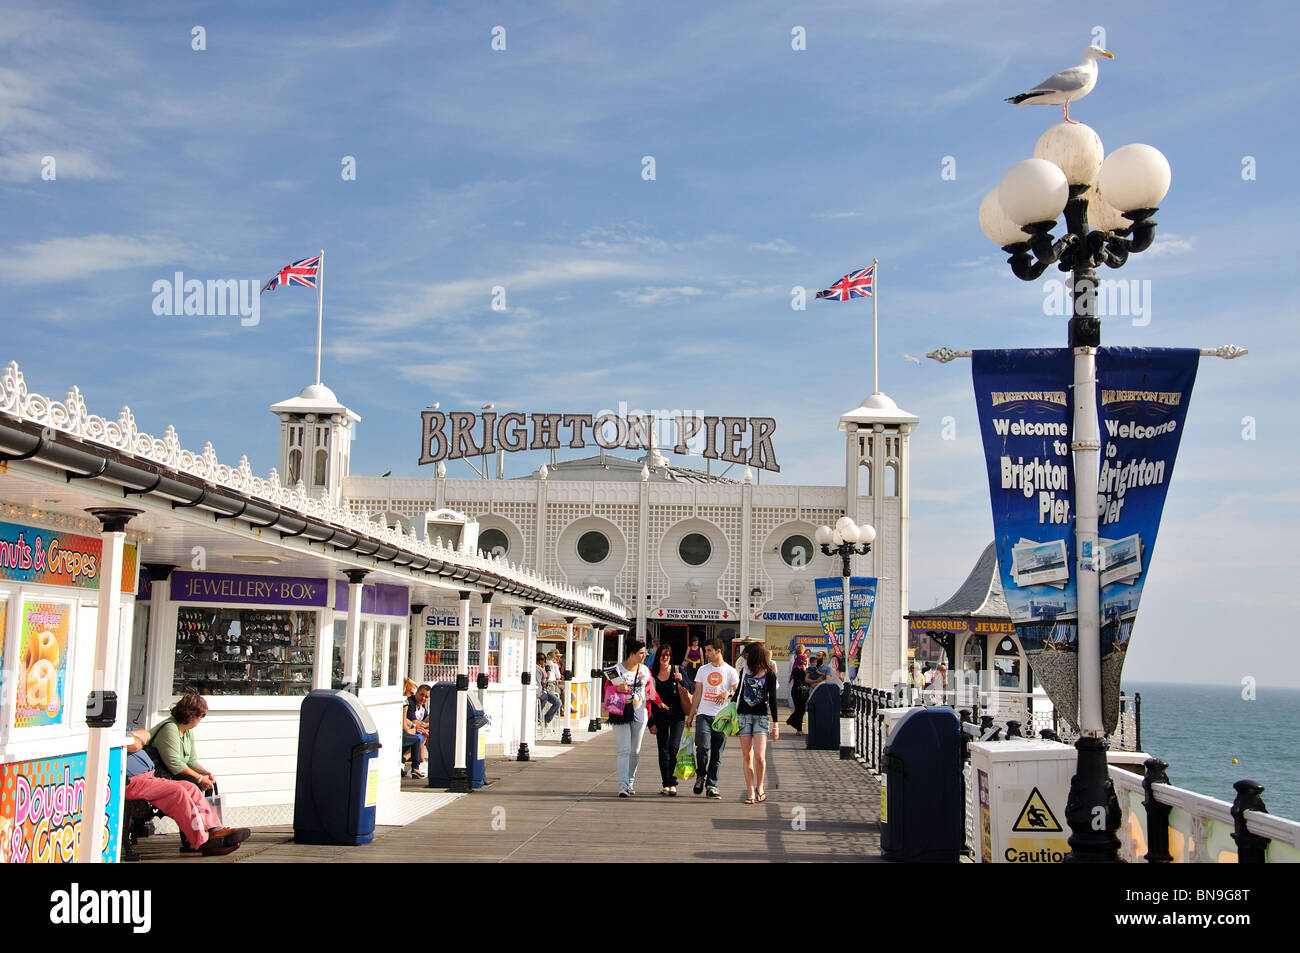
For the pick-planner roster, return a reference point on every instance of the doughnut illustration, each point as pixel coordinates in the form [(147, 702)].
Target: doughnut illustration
[(42, 683), (47, 647), (6, 839)]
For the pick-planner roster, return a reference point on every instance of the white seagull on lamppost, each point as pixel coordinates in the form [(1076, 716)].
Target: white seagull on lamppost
[(1060, 89)]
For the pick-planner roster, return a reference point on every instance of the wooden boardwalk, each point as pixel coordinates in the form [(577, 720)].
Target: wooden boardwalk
[(566, 808)]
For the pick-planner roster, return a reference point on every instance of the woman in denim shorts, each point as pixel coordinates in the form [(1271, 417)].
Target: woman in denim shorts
[(756, 706)]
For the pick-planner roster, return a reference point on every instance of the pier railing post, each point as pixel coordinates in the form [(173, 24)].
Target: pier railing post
[(1251, 848), (1157, 813)]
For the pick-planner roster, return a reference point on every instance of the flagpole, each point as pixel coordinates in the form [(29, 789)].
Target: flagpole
[(875, 334), (320, 307)]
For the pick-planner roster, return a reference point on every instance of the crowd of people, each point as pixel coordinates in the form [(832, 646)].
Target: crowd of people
[(669, 700)]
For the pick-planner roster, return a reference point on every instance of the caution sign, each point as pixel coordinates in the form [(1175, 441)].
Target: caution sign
[(1036, 817)]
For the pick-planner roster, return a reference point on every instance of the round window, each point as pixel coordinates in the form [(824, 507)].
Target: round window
[(694, 549), (494, 542), (797, 551), (593, 547)]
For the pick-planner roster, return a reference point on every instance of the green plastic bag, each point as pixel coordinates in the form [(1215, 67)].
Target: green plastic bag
[(727, 721), (685, 759)]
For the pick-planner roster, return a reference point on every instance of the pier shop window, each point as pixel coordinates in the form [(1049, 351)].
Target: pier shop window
[(440, 653), (1006, 664), (224, 651)]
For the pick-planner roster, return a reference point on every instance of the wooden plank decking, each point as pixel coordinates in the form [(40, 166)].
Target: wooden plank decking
[(566, 808)]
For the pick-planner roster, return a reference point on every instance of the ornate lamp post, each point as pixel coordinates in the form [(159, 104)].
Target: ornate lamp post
[(1118, 196), (846, 540)]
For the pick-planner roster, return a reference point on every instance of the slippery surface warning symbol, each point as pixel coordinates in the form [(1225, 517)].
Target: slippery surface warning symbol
[(1036, 817)]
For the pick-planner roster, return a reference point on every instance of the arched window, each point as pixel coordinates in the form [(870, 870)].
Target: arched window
[(891, 479), (322, 458), (295, 467)]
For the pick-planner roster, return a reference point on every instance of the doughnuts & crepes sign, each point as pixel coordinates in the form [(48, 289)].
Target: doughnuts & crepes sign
[(29, 554), (41, 557)]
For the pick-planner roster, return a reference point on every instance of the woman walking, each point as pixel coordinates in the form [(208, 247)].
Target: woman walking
[(758, 718), (668, 716), (694, 658), (798, 687), (629, 726)]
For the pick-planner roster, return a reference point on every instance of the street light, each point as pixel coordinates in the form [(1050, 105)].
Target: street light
[(1121, 192), (846, 540)]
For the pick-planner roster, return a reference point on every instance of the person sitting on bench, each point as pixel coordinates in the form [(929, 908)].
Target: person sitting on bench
[(183, 802)]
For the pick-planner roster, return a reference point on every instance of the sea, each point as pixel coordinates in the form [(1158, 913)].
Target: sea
[(1200, 729)]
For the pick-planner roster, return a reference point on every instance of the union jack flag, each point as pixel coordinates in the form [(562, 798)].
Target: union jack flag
[(856, 285), (299, 273)]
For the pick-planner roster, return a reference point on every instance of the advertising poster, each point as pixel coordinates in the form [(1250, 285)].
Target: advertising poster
[(28, 554), (1023, 401), (4, 622), (1142, 398), (42, 663), (862, 601), (41, 807), (830, 609)]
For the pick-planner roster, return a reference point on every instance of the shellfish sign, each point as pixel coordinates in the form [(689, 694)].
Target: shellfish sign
[(459, 434)]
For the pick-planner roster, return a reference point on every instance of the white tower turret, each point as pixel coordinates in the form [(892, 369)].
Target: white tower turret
[(315, 441), (877, 482)]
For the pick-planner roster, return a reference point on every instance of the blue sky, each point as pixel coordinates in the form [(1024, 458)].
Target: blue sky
[(774, 168)]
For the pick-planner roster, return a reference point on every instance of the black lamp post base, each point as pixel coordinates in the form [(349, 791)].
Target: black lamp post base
[(523, 752), (593, 726), (459, 781), (1091, 808), (566, 738)]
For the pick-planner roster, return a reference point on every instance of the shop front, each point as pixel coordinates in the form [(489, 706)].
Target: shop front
[(783, 631), (253, 646), (49, 603)]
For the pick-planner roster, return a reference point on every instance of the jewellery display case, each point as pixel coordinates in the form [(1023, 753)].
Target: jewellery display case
[(244, 651)]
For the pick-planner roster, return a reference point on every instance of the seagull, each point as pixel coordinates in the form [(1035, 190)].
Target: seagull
[(434, 405), (1067, 85), (910, 358)]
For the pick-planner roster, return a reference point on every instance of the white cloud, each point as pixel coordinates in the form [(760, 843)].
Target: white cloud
[(653, 295), (779, 245), (1169, 245), (57, 259)]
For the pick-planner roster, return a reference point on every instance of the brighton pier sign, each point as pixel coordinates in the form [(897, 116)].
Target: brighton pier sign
[(460, 434)]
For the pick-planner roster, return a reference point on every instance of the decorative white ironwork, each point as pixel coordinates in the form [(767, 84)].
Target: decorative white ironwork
[(71, 417)]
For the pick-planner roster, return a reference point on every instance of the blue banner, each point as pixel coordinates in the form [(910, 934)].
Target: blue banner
[(1026, 422), (1142, 398), (830, 610), (862, 602)]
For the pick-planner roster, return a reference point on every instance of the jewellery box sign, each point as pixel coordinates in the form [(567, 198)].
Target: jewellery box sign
[(248, 590)]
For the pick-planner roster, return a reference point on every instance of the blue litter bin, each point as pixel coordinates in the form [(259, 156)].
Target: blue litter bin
[(337, 785), (922, 818), (824, 717), (442, 730)]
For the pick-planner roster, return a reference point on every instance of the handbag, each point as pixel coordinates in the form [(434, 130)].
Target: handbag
[(620, 707), (215, 802), (685, 759), (727, 721), (614, 701)]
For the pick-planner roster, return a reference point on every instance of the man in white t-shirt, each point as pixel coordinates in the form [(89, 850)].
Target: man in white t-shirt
[(715, 683)]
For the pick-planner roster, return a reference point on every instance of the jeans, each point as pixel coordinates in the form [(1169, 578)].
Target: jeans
[(628, 738), (708, 749), (551, 701), (669, 736), (414, 744)]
